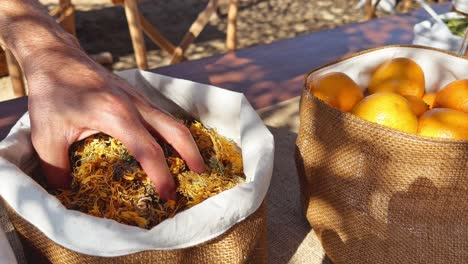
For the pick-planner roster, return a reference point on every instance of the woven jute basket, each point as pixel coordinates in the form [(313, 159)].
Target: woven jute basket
[(376, 195), (226, 228), (243, 243)]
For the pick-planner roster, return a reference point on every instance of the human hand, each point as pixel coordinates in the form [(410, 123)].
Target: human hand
[(71, 97)]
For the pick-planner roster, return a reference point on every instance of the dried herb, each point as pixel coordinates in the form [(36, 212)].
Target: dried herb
[(107, 181)]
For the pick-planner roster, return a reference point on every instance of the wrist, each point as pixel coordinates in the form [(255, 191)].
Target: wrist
[(42, 46), (28, 31), (32, 45)]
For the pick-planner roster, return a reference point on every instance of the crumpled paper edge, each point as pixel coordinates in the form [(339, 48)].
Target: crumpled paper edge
[(71, 229), (426, 33)]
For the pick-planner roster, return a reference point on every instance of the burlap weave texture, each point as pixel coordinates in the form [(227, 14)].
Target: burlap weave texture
[(243, 243), (376, 195)]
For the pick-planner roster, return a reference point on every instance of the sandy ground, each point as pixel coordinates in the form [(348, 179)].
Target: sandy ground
[(102, 26)]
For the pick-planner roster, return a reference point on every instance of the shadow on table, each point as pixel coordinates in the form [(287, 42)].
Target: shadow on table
[(291, 239), (269, 74)]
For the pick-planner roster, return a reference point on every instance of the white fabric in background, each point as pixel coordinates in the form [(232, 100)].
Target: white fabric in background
[(461, 5), (229, 112), (432, 34)]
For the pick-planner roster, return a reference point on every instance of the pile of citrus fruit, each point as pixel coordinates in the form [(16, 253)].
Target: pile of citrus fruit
[(395, 97)]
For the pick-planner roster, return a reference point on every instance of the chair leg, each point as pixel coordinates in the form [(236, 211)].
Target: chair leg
[(195, 30), (371, 9), (67, 20), (231, 38), (3, 63), (16, 75), (136, 33), (66, 16), (406, 6), (156, 36)]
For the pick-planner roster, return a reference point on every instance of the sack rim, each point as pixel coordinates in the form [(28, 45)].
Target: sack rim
[(259, 170), (356, 54)]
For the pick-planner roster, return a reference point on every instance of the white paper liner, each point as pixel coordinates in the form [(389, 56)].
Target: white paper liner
[(229, 112), (432, 34), (439, 67), (461, 5)]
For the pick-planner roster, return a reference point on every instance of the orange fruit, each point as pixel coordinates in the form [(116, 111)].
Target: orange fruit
[(399, 86), (429, 99), (454, 95), (337, 90), (400, 75), (388, 109), (444, 123), (417, 104)]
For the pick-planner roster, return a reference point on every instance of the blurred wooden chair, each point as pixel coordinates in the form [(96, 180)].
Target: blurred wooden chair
[(138, 25), (11, 67), (64, 13)]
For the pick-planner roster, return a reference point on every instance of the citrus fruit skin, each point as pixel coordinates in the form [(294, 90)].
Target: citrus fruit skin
[(444, 123), (337, 90), (429, 99), (400, 75), (399, 86), (417, 104), (454, 95), (387, 109)]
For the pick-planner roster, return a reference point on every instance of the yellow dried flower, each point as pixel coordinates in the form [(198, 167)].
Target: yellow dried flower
[(108, 182)]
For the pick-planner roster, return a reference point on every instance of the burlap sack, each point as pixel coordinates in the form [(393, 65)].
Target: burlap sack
[(227, 228), (376, 195), (244, 243)]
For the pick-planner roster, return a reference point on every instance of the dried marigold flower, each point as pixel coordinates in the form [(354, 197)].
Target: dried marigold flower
[(108, 182)]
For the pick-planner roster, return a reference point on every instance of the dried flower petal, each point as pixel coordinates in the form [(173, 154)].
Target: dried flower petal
[(108, 182)]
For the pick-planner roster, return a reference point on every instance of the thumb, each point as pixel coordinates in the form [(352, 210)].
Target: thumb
[(54, 160)]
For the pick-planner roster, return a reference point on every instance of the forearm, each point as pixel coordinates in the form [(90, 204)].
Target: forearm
[(29, 32)]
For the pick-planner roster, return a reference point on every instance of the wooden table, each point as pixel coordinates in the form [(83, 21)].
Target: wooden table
[(269, 74), (271, 77)]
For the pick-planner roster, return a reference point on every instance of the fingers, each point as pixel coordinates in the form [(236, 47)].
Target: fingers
[(53, 156), (86, 133), (144, 148), (176, 134)]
